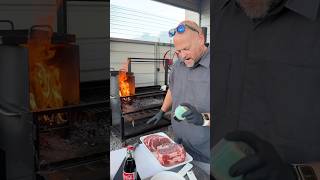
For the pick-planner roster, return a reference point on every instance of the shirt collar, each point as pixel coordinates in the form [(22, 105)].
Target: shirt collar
[(223, 4), (307, 8), (205, 61)]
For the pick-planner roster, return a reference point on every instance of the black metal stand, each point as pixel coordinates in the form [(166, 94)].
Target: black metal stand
[(126, 130)]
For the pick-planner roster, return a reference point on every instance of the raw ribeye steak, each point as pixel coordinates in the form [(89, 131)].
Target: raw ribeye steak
[(170, 154), (154, 140)]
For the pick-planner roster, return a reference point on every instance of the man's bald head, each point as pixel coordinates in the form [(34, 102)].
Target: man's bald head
[(189, 45), (193, 25), (191, 28)]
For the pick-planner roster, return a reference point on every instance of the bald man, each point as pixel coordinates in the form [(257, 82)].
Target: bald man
[(189, 85)]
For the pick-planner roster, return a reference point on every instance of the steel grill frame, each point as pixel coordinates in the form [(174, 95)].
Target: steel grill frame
[(127, 131), (20, 129), (101, 109), (119, 123)]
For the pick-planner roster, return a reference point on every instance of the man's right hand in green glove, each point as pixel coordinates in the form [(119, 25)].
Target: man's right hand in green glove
[(156, 118)]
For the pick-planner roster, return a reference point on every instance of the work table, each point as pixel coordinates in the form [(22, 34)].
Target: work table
[(146, 166)]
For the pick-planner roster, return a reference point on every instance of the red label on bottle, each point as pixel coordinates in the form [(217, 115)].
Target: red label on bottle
[(129, 176)]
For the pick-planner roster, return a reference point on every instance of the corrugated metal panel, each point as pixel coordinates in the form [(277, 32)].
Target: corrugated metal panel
[(88, 20), (144, 72), (205, 16), (193, 5), (120, 51), (94, 59), (24, 16)]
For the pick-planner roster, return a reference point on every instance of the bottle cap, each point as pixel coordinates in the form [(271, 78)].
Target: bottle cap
[(131, 148)]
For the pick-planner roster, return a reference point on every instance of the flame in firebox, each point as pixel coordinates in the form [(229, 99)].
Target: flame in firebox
[(124, 84), (45, 84)]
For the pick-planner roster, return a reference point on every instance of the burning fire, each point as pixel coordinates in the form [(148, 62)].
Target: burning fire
[(126, 84), (124, 87), (126, 81), (45, 84)]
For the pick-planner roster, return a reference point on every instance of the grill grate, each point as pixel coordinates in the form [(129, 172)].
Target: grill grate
[(82, 137), (136, 110)]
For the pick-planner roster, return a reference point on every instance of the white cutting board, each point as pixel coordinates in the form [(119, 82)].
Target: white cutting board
[(153, 156), (147, 165)]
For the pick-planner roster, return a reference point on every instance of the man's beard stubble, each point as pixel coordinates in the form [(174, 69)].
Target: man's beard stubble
[(255, 8), (190, 63)]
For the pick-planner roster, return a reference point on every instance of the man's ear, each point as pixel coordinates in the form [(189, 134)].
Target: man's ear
[(201, 38)]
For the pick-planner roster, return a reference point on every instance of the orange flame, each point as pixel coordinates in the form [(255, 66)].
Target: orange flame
[(126, 84), (45, 84)]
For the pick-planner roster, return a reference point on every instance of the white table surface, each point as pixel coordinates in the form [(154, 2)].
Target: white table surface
[(147, 166), (116, 158)]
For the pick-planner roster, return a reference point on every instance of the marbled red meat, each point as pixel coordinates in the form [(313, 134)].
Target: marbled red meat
[(153, 141), (170, 154)]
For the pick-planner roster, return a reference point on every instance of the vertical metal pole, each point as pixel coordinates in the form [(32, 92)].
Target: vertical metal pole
[(129, 65), (155, 63), (122, 128), (166, 67), (62, 16), (204, 31)]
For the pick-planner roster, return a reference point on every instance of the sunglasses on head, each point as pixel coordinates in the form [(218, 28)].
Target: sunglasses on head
[(181, 28)]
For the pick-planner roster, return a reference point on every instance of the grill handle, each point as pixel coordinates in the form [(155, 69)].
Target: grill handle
[(48, 28), (9, 22), (41, 26)]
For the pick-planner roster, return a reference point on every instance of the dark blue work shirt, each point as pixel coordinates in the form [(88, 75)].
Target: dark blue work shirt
[(266, 76), (192, 85)]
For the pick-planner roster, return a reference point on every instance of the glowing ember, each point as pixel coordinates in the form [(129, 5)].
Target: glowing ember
[(53, 119)]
